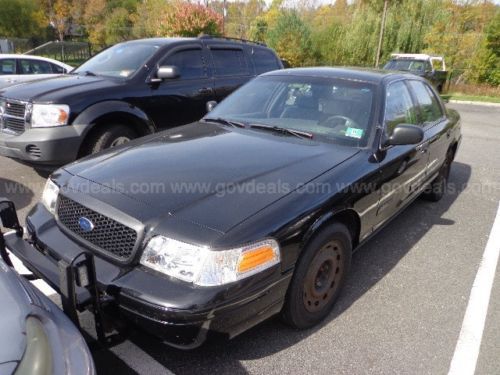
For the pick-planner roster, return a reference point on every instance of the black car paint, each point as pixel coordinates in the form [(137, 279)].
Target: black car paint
[(146, 104), (360, 194)]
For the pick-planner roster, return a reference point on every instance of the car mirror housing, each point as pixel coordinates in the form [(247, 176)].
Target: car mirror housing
[(405, 134), (167, 72), (211, 105)]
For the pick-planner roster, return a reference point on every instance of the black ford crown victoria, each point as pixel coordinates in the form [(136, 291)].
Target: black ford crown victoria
[(253, 211)]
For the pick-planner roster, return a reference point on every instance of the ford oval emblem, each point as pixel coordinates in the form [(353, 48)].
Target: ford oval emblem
[(85, 224)]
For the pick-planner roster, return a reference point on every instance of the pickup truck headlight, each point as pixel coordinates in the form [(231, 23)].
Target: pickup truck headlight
[(47, 115), (49, 196), (206, 267)]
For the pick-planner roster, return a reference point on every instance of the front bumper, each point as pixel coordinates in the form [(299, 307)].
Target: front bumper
[(178, 312), (43, 146)]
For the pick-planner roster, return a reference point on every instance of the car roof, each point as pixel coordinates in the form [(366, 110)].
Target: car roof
[(376, 76), (166, 41), (34, 57)]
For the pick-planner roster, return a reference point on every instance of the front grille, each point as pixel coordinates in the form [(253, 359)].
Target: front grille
[(14, 124), (108, 235), (14, 117), (15, 109)]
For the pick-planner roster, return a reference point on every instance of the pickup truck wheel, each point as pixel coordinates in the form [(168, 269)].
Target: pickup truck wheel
[(437, 189), (110, 136), (318, 277)]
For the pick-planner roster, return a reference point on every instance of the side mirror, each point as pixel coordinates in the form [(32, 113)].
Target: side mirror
[(405, 134), (211, 105), (167, 72)]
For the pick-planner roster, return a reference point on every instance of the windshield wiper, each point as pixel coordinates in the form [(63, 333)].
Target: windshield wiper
[(223, 121), (277, 129)]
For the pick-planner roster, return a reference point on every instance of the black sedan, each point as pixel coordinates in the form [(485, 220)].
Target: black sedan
[(253, 211)]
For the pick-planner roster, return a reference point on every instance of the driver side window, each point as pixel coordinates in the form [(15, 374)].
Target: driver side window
[(399, 107), (189, 62)]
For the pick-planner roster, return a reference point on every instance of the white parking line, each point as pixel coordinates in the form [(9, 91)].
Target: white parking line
[(469, 342)]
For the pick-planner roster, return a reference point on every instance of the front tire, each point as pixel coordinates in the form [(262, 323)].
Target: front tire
[(110, 136), (318, 278)]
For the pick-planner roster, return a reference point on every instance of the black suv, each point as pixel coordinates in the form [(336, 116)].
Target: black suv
[(129, 90)]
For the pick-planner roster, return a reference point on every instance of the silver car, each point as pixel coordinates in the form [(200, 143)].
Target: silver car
[(23, 68), (37, 338)]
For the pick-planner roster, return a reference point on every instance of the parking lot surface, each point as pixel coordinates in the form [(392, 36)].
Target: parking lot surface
[(404, 303)]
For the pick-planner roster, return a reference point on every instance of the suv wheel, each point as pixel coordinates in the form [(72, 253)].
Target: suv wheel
[(318, 277), (437, 188), (110, 136)]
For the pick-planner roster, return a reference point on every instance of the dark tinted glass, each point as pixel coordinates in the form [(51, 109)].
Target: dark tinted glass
[(7, 66), (35, 67), (57, 69), (399, 108), (264, 61), (189, 62), (229, 62), (430, 108)]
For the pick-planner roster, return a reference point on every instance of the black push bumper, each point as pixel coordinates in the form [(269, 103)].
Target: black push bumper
[(177, 312)]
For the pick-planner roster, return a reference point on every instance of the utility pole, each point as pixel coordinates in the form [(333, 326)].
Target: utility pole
[(381, 36), (224, 18)]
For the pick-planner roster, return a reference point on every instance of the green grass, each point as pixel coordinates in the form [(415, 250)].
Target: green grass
[(472, 98)]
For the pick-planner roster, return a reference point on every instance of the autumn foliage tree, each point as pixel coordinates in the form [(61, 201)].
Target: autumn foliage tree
[(189, 19)]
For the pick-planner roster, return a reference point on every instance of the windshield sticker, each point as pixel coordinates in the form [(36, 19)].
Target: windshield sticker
[(354, 133)]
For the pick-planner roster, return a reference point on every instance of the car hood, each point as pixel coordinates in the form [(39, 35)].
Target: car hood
[(55, 89), (14, 309), (205, 173)]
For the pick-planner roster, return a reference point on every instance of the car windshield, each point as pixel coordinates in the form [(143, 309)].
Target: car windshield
[(121, 60), (333, 110), (408, 65)]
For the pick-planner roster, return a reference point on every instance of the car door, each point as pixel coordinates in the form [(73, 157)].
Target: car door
[(231, 68), (403, 168), (182, 100), (436, 125)]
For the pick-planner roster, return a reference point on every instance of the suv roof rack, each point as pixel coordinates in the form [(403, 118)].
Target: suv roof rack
[(205, 36)]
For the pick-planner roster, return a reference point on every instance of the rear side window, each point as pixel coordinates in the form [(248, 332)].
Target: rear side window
[(7, 66), (399, 107), (35, 67), (264, 61), (189, 62), (430, 109), (57, 69), (229, 62)]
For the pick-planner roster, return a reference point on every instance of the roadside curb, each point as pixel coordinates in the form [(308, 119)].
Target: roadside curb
[(486, 104)]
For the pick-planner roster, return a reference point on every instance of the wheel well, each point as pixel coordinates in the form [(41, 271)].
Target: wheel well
[(139, 126), (347, 217)]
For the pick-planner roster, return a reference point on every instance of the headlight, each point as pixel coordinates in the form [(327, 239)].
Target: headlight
[(45, 115), (205, 267), (37, 358), (49, 196)]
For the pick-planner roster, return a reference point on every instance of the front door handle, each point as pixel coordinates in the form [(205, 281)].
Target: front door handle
[(422, 148)]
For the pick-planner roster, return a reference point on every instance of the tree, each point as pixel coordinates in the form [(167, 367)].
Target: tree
[(187, 19), (291, 38), (20, 18)]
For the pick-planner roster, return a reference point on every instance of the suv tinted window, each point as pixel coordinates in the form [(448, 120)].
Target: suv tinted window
[(399, 107), (35, 67), (264, 61), (7, 66), (189, 62), (229, 62), (430, 108)]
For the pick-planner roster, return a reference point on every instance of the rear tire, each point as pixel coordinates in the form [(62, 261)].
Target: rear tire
[(437, 189), (318, 278), (110, 136)]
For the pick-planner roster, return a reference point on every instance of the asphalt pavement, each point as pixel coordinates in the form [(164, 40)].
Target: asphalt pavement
[(405, 300)]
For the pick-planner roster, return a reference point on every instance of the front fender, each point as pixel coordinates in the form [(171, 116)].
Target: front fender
[(96, 111)]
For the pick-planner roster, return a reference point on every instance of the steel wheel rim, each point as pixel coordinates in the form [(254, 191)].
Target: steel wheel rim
[(323, 276)]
